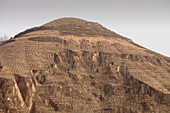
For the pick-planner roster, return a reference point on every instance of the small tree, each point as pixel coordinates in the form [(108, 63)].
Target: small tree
[(3, 38)]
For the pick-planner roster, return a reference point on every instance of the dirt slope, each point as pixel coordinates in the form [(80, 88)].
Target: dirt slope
[(72, 65)]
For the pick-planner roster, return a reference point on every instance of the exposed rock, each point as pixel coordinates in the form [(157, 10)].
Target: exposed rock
[(74, 66)]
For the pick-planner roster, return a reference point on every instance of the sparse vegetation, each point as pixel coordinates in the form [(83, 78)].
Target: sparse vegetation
[(32, 30), (7, 41), (46, 39), (75, 27)]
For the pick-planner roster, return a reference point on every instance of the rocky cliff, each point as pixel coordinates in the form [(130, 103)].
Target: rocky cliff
[(75, 66)]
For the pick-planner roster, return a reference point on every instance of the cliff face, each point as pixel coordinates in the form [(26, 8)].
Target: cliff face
[(74, 66)]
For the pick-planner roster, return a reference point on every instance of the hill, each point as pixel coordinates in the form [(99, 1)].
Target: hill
[(72, 65)]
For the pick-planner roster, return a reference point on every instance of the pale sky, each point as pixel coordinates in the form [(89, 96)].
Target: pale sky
[(146, 22)]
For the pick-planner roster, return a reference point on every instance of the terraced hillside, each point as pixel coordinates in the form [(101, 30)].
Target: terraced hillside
[(72, 65)]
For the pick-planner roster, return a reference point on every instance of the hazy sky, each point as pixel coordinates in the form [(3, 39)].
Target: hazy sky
[(146, 22)]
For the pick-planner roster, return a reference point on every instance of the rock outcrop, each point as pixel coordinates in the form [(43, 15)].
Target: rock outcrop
[(74, 66)]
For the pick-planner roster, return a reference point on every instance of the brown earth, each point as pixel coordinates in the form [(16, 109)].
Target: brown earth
[(74, 66)]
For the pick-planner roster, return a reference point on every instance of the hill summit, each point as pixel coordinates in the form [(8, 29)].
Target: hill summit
[(71, 65), (75, 26), (80, 27)]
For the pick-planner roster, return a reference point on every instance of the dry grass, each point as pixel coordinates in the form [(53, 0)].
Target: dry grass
[(76, 27)]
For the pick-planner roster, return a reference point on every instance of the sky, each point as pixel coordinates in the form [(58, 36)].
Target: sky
[(146, 22)]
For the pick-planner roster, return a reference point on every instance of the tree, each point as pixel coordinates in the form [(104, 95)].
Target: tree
[(3, 38)]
